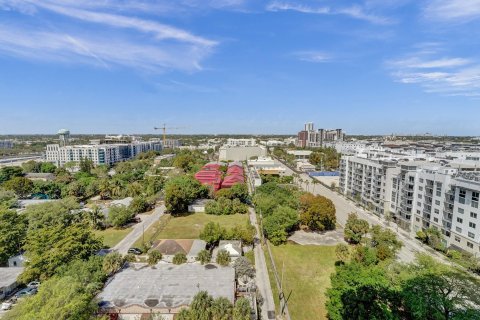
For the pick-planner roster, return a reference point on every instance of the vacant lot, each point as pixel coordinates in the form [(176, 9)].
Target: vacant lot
[(112, 236), (306, 273), (188, 226)]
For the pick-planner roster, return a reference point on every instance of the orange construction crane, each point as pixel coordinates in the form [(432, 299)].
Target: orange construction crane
[(164, 129)]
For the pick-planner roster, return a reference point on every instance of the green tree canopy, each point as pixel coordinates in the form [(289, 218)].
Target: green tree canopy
[(355, 229)]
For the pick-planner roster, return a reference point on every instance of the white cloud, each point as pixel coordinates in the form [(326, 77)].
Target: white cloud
[(453, 9), (312, 56), (152, 46), (448, 76), (355, 11)]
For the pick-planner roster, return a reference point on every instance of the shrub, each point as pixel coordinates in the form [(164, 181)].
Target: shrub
[(223, 258), (154, 257), (179, 258), (204, 256)]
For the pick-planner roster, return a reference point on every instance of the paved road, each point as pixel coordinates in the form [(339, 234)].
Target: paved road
[(344, 207), (263, 282), (147, 221)]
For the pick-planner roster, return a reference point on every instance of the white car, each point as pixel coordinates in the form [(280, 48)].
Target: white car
[(6, 306)]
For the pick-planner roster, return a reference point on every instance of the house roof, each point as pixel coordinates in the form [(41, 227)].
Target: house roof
[(167, 285), (8, 276)]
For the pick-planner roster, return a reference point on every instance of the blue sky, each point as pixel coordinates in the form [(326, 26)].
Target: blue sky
[(240, 66)]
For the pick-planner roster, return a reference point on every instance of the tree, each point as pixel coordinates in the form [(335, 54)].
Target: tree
[(181, 191), (112, 263), (139, 205), (104, 189), (435, 291), (134, 189), (154, 257), (20, 185), (179, 258), (86, 165), (242, 310), (221, 309), (8, 199), (318, 213), (243, 267), (223, 258), (343, 252), (119, 215), (200, 308), (277, 225), (13, 230), (95, 217), (360, 292), (212, 233), (385, 242), (355, 229), (7, 173), (51, 246), (47, 167), (52, 214), (204, 256), (184, 314), (116, 188)]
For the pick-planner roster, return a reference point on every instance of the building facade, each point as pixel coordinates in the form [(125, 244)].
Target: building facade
[(100, 154), (241, 142), (311, 138), (418, 195), (6, 144)]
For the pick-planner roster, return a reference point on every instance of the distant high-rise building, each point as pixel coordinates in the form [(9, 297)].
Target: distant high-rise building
[(6, 144), (311, 138), (64, 137)]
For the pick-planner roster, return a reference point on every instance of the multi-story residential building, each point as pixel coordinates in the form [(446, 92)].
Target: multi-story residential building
[(241, 142), (6, 144), (418, 195), (107, 154), (170, 144), (311, 138)]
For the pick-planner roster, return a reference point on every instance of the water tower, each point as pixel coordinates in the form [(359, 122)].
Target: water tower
[(64, 137)]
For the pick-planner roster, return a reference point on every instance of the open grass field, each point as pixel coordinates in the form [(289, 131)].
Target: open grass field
[(307, 273), (188, 226), (112, 236)]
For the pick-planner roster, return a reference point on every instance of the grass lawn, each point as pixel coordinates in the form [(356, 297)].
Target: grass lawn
[(112, 236), (188, 226), (307, 274)]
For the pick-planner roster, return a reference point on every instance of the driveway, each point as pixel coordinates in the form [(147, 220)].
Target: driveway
[(146, 221)]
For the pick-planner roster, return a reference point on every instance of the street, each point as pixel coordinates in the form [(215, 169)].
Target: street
[(147, 220), (344, 206), (263, 282)]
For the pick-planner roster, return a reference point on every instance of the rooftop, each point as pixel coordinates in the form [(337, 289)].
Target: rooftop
[(9, 275), (167, 285)]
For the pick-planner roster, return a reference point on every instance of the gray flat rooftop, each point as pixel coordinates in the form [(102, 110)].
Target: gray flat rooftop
[(167, 285), (8, 276)]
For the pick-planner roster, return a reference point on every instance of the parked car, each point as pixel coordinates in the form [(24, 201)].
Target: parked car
[(6, 306), (135, 251), (33, 284), (26, 292)]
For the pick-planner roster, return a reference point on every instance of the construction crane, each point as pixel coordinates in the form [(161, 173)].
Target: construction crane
[(164, 129)]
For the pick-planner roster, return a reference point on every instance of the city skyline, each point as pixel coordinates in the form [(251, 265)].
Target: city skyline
[(239, 66)]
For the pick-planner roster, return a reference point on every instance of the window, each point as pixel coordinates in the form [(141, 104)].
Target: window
[(457, 239), (435, 219), (472, 225), (419, 204), (420, 188), (470, 245), (458, 229), (461, 196), (459, 220), (437, 211), (460, 210), (419, 196), (421, 180), (471, 235), (417, 219), (475, 196), (473, 215), (437, 202)]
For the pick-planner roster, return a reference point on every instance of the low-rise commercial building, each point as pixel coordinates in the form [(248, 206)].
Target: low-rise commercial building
[(241, 142), (165, 289), (241, 153)]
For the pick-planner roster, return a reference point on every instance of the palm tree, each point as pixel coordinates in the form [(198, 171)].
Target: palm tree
[(221, 309), (104, 189), (134, 189), (95, 217), (116, 188)]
